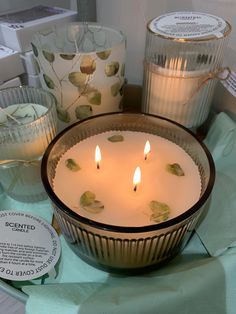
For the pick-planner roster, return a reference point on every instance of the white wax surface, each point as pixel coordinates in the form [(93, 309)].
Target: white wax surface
[(174, 86), (179, 95), (113, 182)]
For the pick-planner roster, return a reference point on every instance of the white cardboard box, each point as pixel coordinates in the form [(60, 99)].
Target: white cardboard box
[(10, 64), (17, 28)]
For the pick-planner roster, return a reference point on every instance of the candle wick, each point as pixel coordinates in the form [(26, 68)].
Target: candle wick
[(135, 188), (98, 166), (145, 158)]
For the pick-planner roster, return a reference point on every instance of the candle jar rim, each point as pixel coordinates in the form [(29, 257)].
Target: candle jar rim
[(51, 105), (127, 229), (57, 30)]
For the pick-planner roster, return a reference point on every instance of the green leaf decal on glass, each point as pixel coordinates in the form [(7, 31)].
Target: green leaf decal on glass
[(112, 68), (121, 90), (94, 97), (87, 65), (116, 138), (115, 88), (77, 78), (67, 56), (121, 103), (83, 112), (160, 211), (122, 71), (37, 66), (46, 31), (63, 115), (89, 203), (49, 56), (72, 165), (175, 169), (48, 81), (103, 55), (35, 50)]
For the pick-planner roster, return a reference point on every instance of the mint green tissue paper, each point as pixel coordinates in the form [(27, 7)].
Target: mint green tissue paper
[(217, 231)]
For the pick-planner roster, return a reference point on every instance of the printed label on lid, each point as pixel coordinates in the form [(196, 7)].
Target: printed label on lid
[(29, 246), (188, 25)]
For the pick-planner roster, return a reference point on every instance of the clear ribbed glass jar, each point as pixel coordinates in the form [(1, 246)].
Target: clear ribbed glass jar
[(28, 123), (183, 60)]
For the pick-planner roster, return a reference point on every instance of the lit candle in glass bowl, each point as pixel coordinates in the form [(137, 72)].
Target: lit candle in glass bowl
[(125, 204), (108, 223)]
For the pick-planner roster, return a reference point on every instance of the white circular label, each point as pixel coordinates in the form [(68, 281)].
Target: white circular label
[(188, 25), (29, 246)]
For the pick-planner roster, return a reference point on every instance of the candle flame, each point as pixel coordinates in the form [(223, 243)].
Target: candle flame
[(98, 156), (136, 178), (147, 149)]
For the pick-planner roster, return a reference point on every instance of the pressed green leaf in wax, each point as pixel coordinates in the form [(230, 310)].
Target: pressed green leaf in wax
[(77, 78), (103, 55), (115, 88), (89, 203), (72, 165), (48, 81), (49, 56), (94, 97), (175, 169), (20, 114), (112, 68), (116, 138), (87, 65), (67, 56), (160, 211), (83, 112)]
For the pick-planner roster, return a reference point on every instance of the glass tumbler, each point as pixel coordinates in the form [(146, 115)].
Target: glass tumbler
[(27, 125)]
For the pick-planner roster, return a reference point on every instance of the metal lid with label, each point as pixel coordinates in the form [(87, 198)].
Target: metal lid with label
[(189, 26), (29, 246)]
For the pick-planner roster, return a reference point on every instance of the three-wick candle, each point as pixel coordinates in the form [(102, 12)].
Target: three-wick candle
[(124, 202)]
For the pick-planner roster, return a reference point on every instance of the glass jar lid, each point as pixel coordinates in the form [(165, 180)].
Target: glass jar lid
[(189, 26)]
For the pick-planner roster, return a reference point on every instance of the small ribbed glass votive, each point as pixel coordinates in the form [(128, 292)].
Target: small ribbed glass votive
[(183, 60), (27, 125)]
